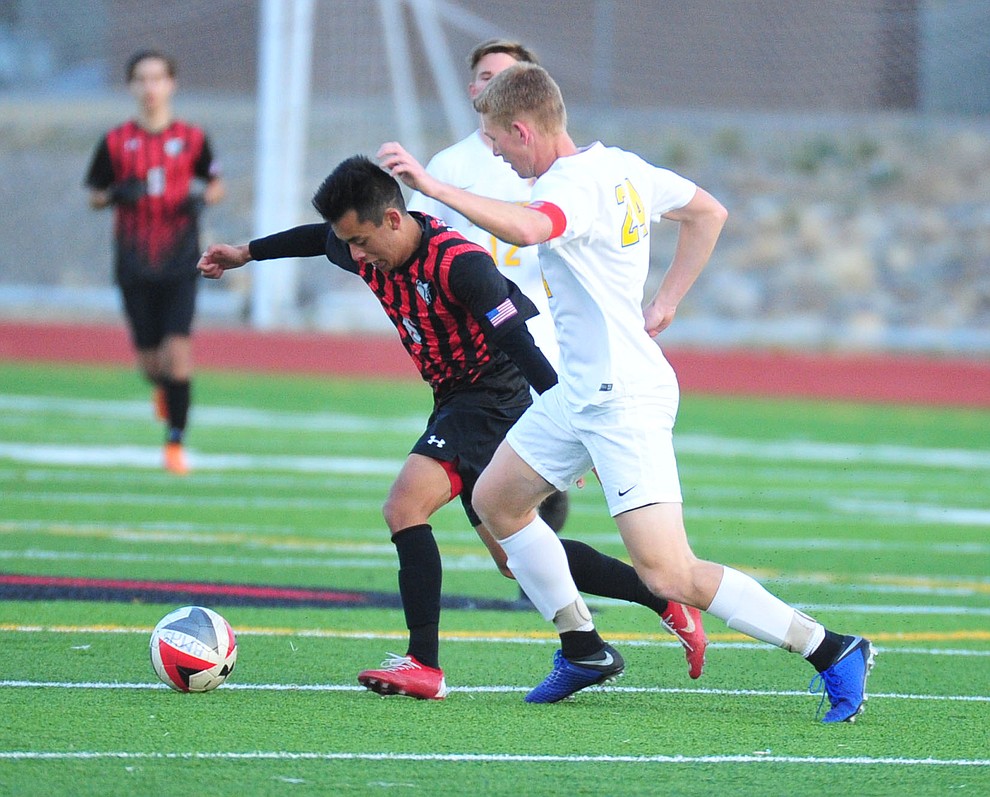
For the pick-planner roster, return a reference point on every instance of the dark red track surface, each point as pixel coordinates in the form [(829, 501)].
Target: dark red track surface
[(871, 378)]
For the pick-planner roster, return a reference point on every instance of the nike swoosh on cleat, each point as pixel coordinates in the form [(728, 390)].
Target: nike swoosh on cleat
[(606, 662)]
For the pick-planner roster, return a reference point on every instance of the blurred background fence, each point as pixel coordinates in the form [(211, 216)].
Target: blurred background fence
[(850, 140)]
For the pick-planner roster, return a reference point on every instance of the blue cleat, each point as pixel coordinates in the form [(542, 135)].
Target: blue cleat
[(844, 682), (568, 677)]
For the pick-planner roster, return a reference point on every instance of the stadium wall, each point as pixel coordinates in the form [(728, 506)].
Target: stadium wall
[(850, 141)]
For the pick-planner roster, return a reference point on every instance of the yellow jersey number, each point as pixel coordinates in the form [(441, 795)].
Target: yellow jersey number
[(635, 225), (502, 253)]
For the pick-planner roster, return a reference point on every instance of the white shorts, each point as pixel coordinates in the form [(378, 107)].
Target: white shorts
[(628, 440)]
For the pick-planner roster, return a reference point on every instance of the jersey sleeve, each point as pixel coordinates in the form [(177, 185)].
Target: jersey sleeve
[(308, 240), (569, 201), (206, 166), (100, 175), (670, 191), (497, 303)]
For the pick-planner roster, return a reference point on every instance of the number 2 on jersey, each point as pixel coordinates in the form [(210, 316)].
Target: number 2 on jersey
[(635, 225)]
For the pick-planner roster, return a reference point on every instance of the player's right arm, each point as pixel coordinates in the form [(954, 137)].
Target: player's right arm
[(100, 177), (308, 240), (515, 224)]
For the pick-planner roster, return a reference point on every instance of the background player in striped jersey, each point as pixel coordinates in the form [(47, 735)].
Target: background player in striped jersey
[(617, 397), (470, 164), (147, 169), (463, 325)]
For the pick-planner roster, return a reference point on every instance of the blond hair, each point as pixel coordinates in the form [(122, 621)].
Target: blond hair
[(524, 90)]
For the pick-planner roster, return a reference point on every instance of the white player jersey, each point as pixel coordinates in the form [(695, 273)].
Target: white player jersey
[(596, 270), (470, 164)]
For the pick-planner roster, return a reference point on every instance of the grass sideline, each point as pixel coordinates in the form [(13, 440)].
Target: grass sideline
[(872, 517)]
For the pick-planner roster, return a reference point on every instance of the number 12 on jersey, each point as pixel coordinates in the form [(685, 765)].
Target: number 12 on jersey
[(635, 225), (510, 253)]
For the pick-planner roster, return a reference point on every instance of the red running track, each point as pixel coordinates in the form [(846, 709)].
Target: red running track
[(869, 378)]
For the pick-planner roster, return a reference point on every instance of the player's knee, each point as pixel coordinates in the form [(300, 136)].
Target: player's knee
[(396, 514), (484, 499), (674, 580)]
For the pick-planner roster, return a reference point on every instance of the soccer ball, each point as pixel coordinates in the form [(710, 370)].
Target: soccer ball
[(193, 649)]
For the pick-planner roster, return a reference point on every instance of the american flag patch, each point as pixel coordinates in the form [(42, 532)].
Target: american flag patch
[(502, 313)]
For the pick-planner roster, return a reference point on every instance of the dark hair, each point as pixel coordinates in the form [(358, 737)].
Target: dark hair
[(142, 55), (518, 51), (358, 184)]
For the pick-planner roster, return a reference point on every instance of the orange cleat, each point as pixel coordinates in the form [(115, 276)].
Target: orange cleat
[(175, 459), (684, 622)]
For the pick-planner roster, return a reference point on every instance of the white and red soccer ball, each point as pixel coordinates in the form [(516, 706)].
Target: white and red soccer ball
[(193, 649)]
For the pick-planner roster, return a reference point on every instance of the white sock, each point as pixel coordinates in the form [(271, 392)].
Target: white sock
[(537, 560), (747, 607)]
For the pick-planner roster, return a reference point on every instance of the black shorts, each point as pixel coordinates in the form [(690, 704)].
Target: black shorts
[(156, 310), (466, 428)]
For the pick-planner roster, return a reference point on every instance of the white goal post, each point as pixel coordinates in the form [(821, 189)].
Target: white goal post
[(285, 44)]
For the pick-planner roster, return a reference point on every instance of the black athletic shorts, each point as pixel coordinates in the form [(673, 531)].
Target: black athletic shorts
[(158, 309), (466, 427)]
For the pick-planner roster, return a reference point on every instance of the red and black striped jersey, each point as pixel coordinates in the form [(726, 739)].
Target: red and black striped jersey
[(448, 302), (157, 237)]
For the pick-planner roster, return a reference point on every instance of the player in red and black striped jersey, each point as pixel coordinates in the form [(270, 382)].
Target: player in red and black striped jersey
[(463, 324), (150, 169)]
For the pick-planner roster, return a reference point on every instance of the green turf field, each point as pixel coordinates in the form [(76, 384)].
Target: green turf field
[(873, 518)]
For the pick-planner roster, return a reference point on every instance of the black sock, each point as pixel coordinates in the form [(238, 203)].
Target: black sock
[(595, 573), (580, 644), (177, 398), (828, 651), (554, 509), (420, 582)]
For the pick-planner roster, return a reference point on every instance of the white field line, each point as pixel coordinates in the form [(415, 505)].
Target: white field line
[(845, 453), (214, 416), (707, 445), (886, 510), (484, 758), (150, 457), (633, 690), (207, 534)]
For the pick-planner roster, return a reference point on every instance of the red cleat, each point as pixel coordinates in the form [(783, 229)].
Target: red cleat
[(684, 622), (403, 675)]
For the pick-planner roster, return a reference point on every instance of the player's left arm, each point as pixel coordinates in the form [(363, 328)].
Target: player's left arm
[(515, 224), (502, 311), (207, 168), (701, 221)]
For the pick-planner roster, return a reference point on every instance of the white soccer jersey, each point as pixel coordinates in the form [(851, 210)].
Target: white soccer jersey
[(470, 164), (596, 270)]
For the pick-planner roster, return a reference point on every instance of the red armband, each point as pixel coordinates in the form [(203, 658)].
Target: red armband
[(558, 220)]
